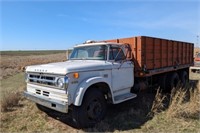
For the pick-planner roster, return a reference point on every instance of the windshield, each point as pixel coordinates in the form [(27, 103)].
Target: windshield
[(98, 52)]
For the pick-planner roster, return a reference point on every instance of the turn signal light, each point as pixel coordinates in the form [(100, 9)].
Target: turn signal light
[(76, 75)]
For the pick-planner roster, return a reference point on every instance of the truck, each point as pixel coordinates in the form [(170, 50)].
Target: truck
[(195, 70), (105, 72)]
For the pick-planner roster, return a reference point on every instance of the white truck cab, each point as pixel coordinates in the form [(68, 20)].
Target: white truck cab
[(95, 74)]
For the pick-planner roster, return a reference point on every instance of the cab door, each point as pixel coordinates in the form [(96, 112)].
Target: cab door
[(122, 70)]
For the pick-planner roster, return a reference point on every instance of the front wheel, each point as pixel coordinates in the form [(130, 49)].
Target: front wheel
[(92, 109)]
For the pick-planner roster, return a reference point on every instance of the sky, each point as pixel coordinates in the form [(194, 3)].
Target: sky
[(59, 25)]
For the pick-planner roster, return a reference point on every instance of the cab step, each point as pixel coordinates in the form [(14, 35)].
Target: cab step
[(124, 97)]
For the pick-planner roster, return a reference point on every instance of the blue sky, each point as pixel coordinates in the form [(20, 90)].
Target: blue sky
[(52, 25)]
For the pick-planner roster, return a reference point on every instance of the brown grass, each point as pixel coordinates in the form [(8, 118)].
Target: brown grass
[(158, 103), (177, 112), (9, 100), (184, 104), (11, 65)]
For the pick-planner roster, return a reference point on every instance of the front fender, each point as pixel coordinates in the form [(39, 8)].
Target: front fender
[(84, 86)]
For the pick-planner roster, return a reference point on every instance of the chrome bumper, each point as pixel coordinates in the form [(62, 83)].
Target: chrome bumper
[(60, 106)]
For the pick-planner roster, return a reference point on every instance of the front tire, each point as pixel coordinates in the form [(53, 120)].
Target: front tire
[(92, 109)]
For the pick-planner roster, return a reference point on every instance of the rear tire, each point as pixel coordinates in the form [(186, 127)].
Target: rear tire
[(91, 111), (172, 81), (163, 82), (184, 78)]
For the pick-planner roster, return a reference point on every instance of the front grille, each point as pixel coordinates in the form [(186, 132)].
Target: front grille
[(42, 79), (45, 93), (40, 92)]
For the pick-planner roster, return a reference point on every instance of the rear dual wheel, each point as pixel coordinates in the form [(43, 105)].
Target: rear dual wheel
[(184, 77), (168, 81), (172, 80)]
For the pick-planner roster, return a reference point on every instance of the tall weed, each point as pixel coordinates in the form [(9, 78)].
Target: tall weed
[(9, 100)]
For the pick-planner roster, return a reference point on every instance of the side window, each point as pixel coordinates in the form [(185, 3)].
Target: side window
[(116, 53)]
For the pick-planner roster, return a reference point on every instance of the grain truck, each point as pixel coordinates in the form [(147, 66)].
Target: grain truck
[(196, 67), (107, 71)]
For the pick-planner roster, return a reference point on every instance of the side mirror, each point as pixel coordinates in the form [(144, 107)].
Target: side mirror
[(68, 54)]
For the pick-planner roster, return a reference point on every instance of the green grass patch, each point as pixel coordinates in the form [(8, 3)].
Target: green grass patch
[(13, 83), (11, 89)]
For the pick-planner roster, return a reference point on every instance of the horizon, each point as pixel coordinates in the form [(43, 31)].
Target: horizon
[(52, 25)]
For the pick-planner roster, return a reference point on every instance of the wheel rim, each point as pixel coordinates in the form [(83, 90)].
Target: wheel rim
[(94, 110)]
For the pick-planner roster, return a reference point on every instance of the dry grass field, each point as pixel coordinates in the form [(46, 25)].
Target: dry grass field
[(13, 62), (149, 112)]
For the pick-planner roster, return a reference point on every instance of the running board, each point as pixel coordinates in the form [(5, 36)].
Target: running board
[(124, 97)]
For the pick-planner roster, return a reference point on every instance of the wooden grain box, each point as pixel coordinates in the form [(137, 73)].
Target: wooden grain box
[(156, 55)]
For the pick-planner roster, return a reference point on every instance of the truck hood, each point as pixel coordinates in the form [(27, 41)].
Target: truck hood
[(69, 66)]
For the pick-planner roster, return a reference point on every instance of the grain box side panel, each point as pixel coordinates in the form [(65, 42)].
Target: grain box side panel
[(170, 53), (148, 54), (188, 53), (188, 49), (157, 53), (164, 53), (180, 52), (191, 49), (192, 53), (152, 54), (175, 46), (184, 55)]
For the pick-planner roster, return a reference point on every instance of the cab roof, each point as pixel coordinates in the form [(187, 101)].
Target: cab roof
[(97, 43)]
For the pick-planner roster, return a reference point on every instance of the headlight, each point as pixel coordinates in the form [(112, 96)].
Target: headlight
[(62, 82), (26, 77)]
